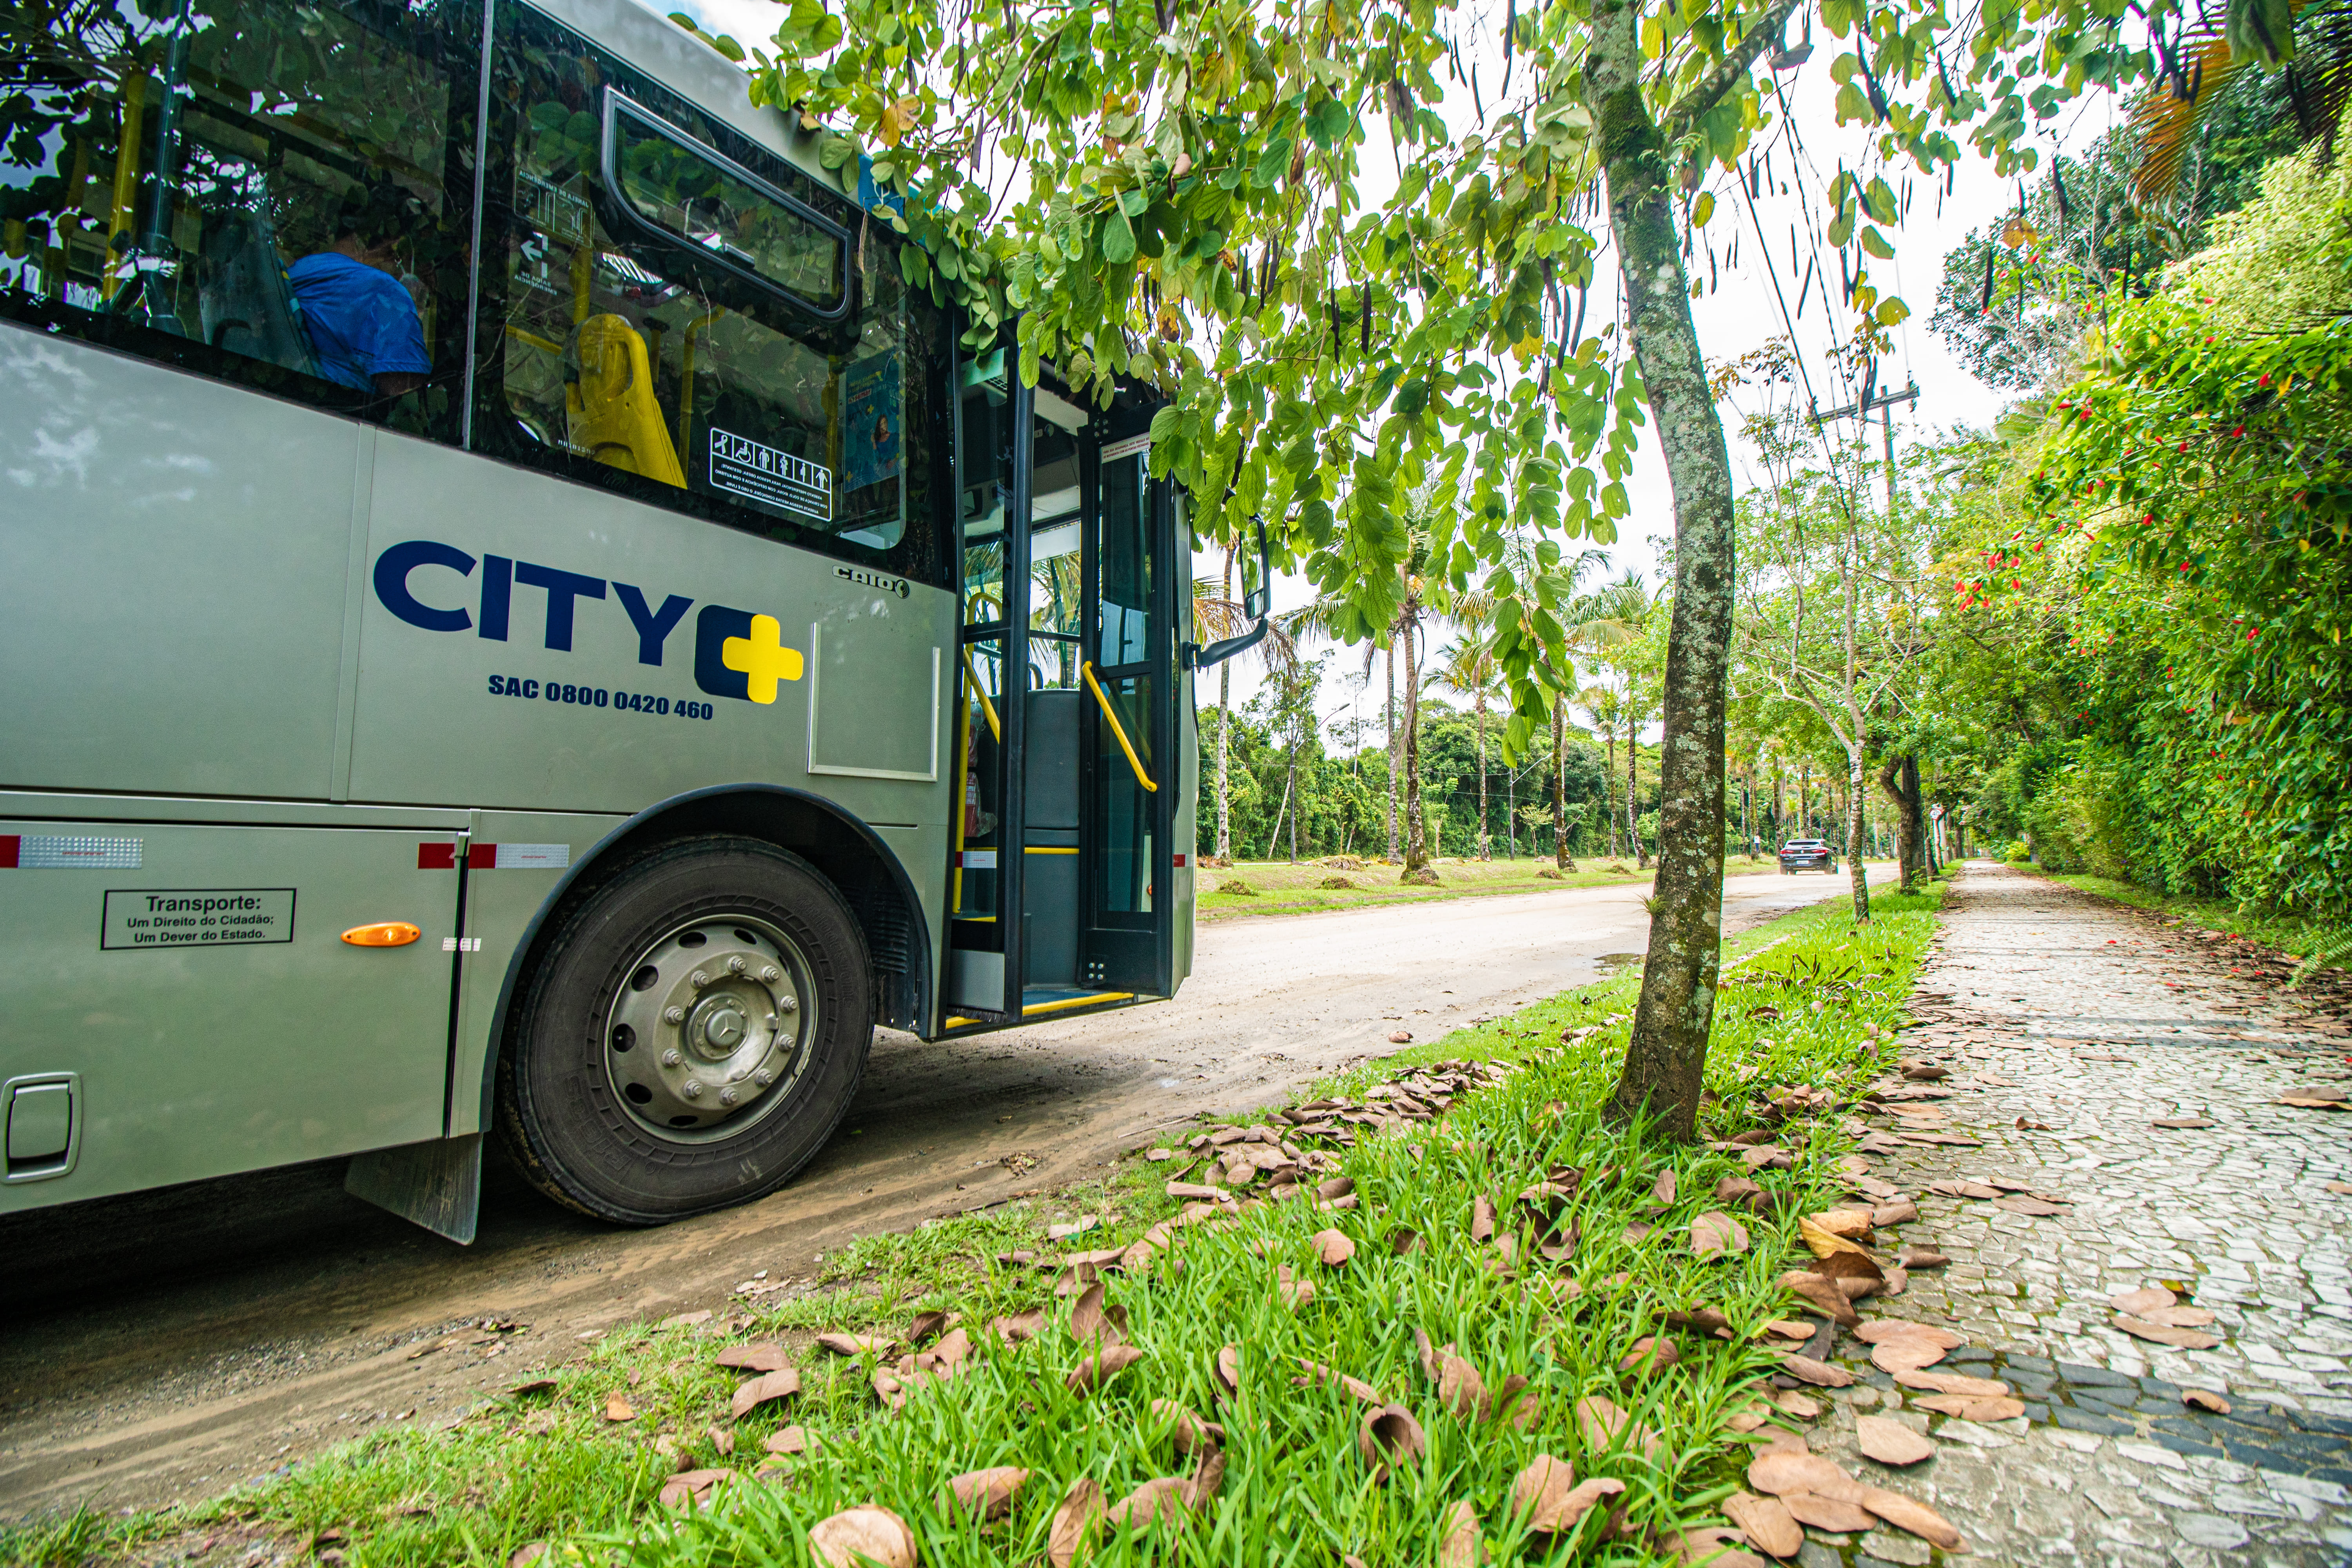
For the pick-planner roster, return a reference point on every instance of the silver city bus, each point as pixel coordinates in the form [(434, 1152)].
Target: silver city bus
[(505, 601)]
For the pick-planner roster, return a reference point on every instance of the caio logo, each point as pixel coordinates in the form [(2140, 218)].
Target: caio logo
[(737, 653)]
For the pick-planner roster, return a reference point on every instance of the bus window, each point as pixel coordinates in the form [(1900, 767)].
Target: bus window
[(257, 191), (676, 317)]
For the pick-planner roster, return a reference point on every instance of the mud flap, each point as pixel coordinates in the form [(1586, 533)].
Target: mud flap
[(436, 1184)]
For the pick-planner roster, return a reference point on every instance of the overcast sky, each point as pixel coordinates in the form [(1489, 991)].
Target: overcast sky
[(1744, 311)]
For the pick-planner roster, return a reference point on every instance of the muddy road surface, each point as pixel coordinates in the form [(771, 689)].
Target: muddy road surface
[(165, 1346)]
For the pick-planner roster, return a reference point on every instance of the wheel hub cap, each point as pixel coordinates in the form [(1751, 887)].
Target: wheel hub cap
[(709, 1029)]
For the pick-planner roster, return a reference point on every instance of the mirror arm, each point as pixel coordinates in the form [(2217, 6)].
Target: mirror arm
[(1256, 603)]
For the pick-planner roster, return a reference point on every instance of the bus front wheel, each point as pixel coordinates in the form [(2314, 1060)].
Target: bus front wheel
[(694, 1033)]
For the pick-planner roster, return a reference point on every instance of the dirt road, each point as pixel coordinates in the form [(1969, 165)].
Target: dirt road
[(168, 1346)]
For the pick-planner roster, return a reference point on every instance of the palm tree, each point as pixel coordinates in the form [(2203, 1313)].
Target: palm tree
[(1217, 614), (1471, 670), (1604, 705)]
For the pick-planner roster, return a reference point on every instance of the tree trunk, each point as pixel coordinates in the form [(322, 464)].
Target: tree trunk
[(1560, 857), (1779, 803), (1390, 657), (1634, 795), (1485, 840), (1857, 830), (1665, 1059), (1225, 743), (1609, 791), (1416, 826)]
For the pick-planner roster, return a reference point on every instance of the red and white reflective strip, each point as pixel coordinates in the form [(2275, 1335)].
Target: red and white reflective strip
[(1180, 862), (495, 856)]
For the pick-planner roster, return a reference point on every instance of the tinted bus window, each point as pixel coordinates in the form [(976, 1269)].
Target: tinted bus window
[(676, 315), (269, 192)]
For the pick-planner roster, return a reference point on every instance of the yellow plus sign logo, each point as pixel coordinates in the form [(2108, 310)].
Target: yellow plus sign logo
[(762, 658)]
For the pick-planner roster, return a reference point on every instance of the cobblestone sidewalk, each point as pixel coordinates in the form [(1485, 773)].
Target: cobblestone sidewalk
[(2070, 1027)]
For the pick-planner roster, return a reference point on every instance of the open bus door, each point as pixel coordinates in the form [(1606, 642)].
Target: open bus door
[(1062, 888)]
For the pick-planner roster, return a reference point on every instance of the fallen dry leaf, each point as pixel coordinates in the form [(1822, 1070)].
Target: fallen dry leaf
[(1826, 1512), (1208, 1475), (1090, 1374), (1551, 1499), (1911, 1514), (854, 1344), (1803, 1407), (1714, 1546), (1015, 1328), (1951, 1382), (1736, 1190), (1780, 1440), (1075, 1521), (767, 1387), (1460, 1546), (1154, 1500), (2178, 1317), (788, 1440), (2165, 1333), (1879, 1331), (1905, 1351), (1822, 1293), (1460, 1388), (1482, 1218), (848, 1539), (618, 1408), (988, 1493), (1783, 1473), (2205, 1399), (1820, 1373), (1405, 1240), (1971, 1406), (2314, 1103), (1229, 1369), (762, 1356), (1317, 1372), (1712, 1234), (1661, 1191), (531, 1387), (1890, 1442), (2019, 1203), (1400, 1037), (1790, 1329), (691, 1487), (1188, 1431), (1333, 1248), (2142, 1300), (1390, 1439), (1846, 1224), (1602, 1424), (1923, 1258), (1766, 1522), (2181, 1121), (1649, 1353), (1091, 1321)]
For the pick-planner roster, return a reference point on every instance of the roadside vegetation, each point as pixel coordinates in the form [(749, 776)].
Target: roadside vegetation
[(1341, 882), (1432, 1225)]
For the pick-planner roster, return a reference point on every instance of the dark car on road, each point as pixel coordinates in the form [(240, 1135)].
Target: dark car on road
[(1807, 855)]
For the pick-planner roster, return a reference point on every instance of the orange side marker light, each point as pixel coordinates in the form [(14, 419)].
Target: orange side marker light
[(384, 933)]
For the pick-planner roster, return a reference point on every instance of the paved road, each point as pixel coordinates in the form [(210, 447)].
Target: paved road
[(167, 1346)]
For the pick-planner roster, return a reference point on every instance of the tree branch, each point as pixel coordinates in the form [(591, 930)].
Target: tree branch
[(1728, 71)]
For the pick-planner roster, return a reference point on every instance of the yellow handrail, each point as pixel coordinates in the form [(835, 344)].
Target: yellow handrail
[(1087, 670), (981, 692)]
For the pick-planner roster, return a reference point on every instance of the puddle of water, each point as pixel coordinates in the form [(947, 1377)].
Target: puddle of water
[(1610, 961)]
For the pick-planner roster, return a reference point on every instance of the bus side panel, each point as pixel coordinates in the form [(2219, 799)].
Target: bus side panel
[(172, 563), (548, 646), (506, 889), (193, 981)]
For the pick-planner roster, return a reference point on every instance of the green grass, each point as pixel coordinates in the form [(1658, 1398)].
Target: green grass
[(2298, 936), (551, 1467), (1283, 888)]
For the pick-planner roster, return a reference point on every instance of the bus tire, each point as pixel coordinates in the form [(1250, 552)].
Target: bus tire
[(600, 1072)]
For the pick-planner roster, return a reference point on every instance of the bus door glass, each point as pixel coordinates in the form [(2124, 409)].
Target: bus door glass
[(1062, 818)]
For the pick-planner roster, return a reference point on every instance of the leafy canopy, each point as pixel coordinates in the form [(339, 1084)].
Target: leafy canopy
[(1196, 197)]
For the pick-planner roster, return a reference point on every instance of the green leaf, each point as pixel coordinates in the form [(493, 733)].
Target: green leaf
[(1118, 238), (1273, 163), (1327, 123), (1702, 209), (1875, 243)]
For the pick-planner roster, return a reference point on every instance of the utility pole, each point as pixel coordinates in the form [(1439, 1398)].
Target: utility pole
[(1882, 404)]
